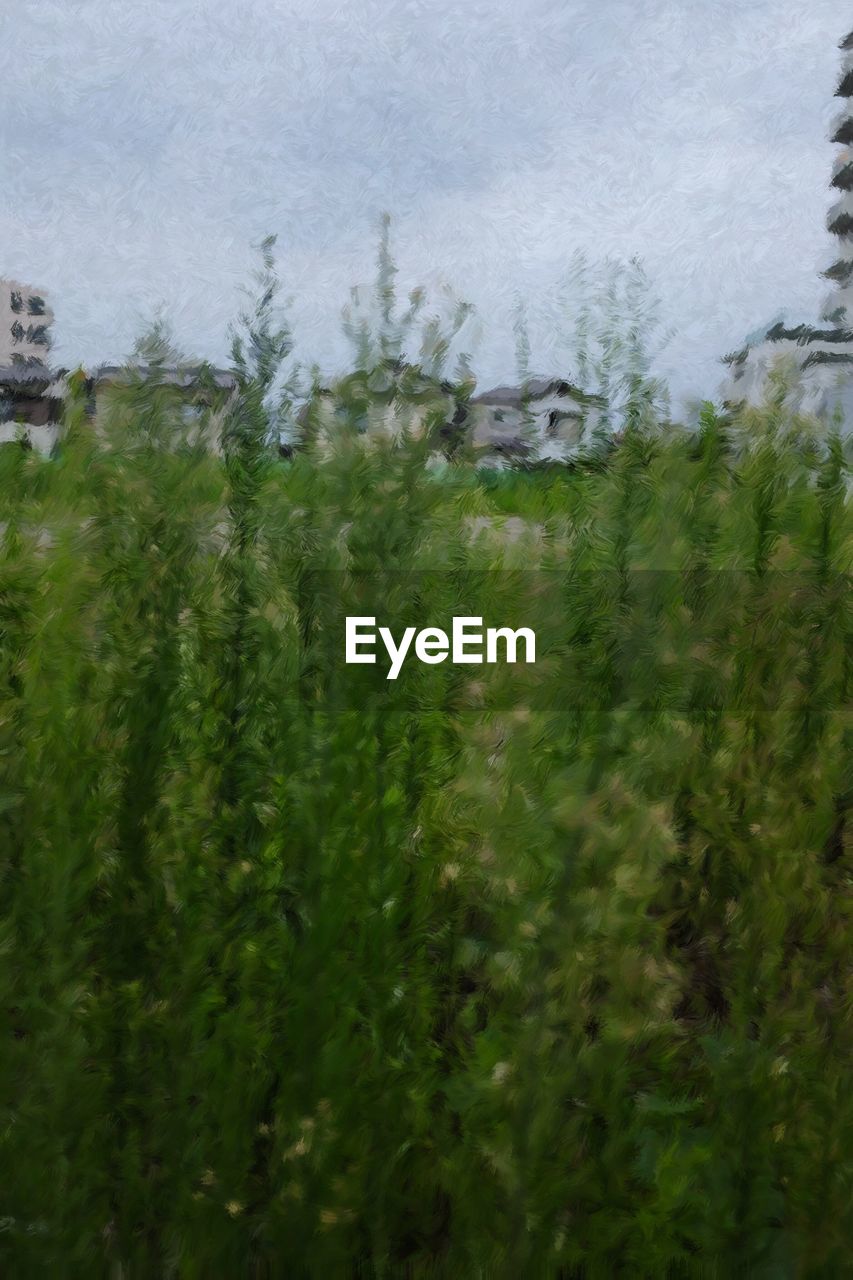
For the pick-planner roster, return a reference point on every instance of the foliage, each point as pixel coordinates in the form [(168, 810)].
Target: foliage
[(157, 344), (615, 336), (504, 971)]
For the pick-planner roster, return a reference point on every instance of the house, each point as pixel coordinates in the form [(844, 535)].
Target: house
[(547, 418), (385, 403), (199, 390), (32, 397)]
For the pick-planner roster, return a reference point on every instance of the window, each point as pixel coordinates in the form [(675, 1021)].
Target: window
[(37, 335), (499, 415), (35, 305), (17, 331), (16, 301)]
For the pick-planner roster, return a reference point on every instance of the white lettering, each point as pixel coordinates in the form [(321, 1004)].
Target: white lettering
[(461, 637), (511, 638), (354, 639), (397, 655), (431, 645)]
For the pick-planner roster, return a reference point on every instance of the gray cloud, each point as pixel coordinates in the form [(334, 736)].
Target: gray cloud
[(147, 145)]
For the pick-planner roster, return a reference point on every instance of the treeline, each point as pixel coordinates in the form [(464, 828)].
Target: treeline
[(510, 971)]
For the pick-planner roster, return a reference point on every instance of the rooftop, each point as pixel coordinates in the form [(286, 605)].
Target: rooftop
[(173, 375), (536, 389), (32, 375)]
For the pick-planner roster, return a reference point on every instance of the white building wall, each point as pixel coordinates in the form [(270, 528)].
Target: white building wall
[(25, 320)]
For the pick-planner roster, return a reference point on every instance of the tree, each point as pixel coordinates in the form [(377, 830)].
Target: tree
[(261, 345), (156, 345)]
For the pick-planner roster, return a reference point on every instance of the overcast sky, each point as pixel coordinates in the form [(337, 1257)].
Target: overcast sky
[(148, 143)]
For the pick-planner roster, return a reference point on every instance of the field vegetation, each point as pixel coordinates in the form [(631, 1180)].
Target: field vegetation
[(483, 972)]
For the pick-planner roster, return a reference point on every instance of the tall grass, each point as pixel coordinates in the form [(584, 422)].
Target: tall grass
[(496, 971)]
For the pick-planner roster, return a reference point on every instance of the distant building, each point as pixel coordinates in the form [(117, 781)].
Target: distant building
[(32, 398), (546, 419), (25, 320), (202, 393), (30, 395), (818, 358), (31, 401), (387, 403), (199, 391), (202, 383)]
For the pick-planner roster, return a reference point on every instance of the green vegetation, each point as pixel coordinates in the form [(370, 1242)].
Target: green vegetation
[(485, 972)]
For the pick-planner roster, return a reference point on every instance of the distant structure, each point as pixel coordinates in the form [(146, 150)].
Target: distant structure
[(548, 419), (543, 420), (201, 391), (391, 401), (31, 402), (817, 358), (31, 393), (32, 398), (25, 320)]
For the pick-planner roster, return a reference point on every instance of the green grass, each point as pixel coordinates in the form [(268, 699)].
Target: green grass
[(483, 972)]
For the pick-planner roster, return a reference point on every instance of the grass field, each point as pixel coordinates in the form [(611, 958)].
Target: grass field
[(498, 971)]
